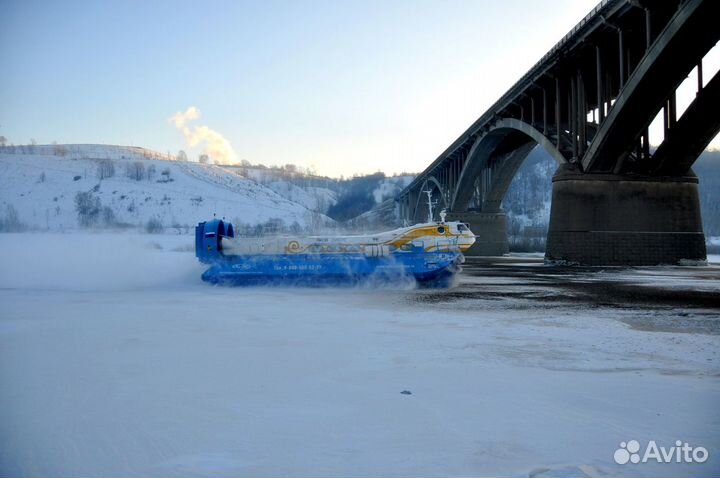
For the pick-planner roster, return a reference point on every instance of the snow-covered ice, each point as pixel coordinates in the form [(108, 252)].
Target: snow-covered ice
[(116, 360)]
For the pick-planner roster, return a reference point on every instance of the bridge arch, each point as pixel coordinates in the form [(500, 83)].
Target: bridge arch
[(502, 151), (420, 211)]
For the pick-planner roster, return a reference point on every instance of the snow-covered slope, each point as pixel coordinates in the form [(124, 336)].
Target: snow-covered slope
[(42, 188), (390, 187), (314, 192), (313, 198)]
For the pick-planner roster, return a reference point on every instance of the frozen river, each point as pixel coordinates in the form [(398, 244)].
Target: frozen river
[(116, 360)]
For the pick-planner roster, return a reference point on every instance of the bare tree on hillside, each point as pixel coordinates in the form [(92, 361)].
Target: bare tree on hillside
[(108, 216), (60, 150), (88, 208), (135, 170), (11, 220), (105, 169)]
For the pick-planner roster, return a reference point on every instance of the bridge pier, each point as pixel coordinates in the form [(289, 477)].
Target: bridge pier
[(490, 229), (600, 219)]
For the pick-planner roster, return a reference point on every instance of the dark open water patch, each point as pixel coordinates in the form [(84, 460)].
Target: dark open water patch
[(664, 299)]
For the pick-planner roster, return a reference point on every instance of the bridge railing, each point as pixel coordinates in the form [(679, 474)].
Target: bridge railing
[(512, 91), (593, 13)]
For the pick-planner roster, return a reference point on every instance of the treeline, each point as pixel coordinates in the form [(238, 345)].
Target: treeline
[(527, 202), (357, 197), (136, 170), (707, 168), (87, 151), (301, 176)]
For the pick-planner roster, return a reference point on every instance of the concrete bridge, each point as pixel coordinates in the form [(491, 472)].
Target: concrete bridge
[(588, 102)]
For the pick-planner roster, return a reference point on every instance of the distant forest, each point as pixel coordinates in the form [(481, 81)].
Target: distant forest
[(707, 169), (356, 197), (527, 202)]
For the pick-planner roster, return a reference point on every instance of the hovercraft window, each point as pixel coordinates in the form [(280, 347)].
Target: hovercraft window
[(461, 228)]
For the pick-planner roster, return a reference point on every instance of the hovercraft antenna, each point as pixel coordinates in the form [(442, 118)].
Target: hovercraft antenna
[(431, 204)]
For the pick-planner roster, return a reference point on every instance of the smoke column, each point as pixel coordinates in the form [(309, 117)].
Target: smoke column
[(213, 143)]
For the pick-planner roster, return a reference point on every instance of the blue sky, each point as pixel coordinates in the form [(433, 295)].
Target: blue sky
[(342, 86)]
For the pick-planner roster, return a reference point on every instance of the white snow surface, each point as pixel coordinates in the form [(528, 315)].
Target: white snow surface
[(116, 361), (42, 189)]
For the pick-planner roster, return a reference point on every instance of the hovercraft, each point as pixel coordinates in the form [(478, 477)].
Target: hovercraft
[(429, 253)]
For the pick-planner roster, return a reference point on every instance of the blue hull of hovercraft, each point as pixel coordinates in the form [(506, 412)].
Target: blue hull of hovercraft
[(432, 269)]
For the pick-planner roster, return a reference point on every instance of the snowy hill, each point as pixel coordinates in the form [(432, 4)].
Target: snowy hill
[(316, 193), (341, 199), (86, 151), (122, 187)]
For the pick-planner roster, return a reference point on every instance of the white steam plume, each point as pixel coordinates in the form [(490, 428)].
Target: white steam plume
[(214, 144)]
